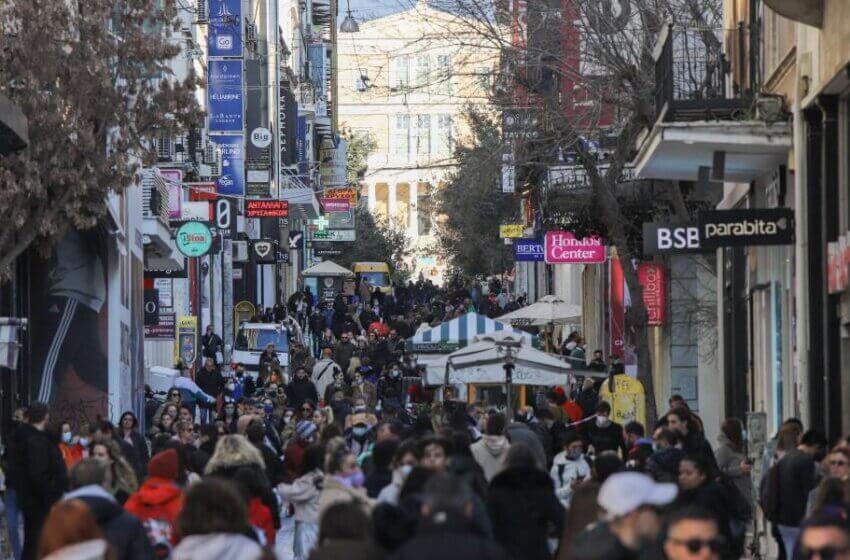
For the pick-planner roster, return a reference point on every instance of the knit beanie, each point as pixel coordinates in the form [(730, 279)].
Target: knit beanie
[(164, 465)]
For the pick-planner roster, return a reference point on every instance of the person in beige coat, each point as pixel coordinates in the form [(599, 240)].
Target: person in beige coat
[(304, 494), (490, 451), (343, 479)]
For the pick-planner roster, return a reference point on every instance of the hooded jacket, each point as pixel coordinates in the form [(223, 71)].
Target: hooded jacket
[(303, 493), (564, 472), (490, 452), (124, 532), (522, 505), (449, 536), (157, 498), (522, 433), (217, 545)]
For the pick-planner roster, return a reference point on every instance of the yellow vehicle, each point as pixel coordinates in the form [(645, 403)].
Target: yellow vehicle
[(378, 274)]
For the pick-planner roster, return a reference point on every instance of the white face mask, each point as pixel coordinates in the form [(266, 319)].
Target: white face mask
[(603, 421), (405, 470)]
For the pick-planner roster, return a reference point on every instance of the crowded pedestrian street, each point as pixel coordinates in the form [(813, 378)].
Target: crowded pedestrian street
[(424, 279)]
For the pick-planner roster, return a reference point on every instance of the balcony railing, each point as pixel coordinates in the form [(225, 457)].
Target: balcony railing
[(693, 76)]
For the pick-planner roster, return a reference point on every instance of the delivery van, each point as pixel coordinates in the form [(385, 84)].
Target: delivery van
[(378, 274)]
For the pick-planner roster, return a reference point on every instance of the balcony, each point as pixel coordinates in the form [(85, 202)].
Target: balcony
[(160, 250), (708, 111), (809, 12)]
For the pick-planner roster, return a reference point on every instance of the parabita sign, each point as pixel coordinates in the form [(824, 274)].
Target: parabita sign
[(735, 228)]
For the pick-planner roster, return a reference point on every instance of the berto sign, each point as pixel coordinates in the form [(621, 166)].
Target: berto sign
[(562, 247), (735, 228), (194, 239)]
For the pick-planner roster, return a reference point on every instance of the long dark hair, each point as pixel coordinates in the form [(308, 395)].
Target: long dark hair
[(734, 432)]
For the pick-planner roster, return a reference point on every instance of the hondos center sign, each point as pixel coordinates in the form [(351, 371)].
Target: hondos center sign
[(562, 247)]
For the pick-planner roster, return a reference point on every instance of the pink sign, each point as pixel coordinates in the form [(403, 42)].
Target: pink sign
[(562, 247), (174, 181), (335, 205)]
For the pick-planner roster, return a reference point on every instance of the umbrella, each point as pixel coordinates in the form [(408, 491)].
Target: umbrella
[(548, 310)]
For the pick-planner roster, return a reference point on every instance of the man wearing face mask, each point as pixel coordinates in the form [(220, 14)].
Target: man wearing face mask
[(391, 386), (631, 524), (569, 467), (603, 434)]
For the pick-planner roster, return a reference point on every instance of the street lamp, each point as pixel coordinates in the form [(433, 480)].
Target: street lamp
[(508, 348), (349, 24)]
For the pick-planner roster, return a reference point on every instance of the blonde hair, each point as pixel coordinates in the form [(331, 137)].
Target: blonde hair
[(232, 451)]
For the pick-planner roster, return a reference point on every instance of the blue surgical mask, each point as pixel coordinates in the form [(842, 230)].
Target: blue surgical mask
[(84, 441), (66, 437), (268, 408), (359, 431)]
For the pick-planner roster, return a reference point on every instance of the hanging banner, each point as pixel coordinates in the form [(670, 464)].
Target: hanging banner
[(225, 28), (653, 278), (331, 205), (562, 247), (317, 59), (348, 194), (225, 91), (511, 231), (232, 179), (617, 309), (174, 180), (187, 339)]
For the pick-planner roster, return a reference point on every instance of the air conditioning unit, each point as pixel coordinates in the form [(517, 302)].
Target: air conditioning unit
[(240, 251), (210, 154), (164, 149), (203, 12)]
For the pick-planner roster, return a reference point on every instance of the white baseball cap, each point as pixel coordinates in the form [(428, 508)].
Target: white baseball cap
[(624, 492)]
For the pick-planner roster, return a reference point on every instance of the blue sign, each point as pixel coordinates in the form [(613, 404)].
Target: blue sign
[(316, 57), (232, 178), (225, 28), (225, 96), (528, 250)]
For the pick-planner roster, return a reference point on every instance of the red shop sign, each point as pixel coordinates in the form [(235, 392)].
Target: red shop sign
[(265, 208), (653, 279)]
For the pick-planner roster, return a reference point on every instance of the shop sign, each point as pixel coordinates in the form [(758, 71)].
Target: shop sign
[(187, 339), (508, 178), (201, 191), (562, 247), (671, 239), (264, 251), (164, 329), (174, 181), (266, 208), (232, 178), (195, 211), (741, 228), (653, 278), (345, 193), (510, 231), (335, 235), (194, 239), (520, 124), (528, 250), (838, 264), (224, 90), (332, 205), (225, 28)]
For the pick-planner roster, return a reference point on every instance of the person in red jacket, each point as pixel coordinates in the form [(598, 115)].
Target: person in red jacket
[(158, 501), (259, 514), (570, 407)]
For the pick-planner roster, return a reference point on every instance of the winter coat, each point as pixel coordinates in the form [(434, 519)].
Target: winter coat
[(344, 549), (217, 545), (343, 353), (227, 468), (299, 391), (40, 473), (597, 542), (367, 391), (522, 504), (521, 433), (490, 453), (729, 461), (304, 495), (564, 472), (260, 516), (448, 536), (210, 382), (609, 438), (140, 449), (292, 458), (274, 467), (334, 492), (377, 480), (587, 400), (323, 374), (124, 532), (663, 465)]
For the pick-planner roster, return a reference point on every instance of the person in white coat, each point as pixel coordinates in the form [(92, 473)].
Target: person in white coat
[(569, 467), (304, 494)]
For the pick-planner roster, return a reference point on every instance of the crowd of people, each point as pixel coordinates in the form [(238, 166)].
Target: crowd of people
[(453, 481), (349, 457)]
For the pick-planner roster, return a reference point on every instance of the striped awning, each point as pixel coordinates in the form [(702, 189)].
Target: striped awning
[(457, 333)]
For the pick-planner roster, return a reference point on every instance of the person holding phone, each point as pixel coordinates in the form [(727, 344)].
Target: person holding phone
[(569, 467)]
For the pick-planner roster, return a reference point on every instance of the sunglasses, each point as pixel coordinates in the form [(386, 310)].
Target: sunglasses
[(825, 553), (696, 545)]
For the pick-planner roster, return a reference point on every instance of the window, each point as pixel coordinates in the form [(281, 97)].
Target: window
[(423, 210), (401, 137), (361, 79), (443, 136), (482, 78), (423, 134), (423, 72), (444, 74), (399, 72)]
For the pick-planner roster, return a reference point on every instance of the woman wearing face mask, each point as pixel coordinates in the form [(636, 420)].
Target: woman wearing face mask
[(569, 468), (69, 446), (303, 494), (229, 415), (605, 435), (407, 456), (390, 386), (343, 480), (360, 438)]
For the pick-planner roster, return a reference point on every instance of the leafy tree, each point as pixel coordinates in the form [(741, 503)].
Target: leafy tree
[(377, 242), (471, 205), (360, 147), (92, 78)]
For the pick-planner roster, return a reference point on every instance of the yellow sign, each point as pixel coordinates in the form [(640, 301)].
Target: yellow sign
[(343, 193), (511, 230), (186, 335), (628, 400)]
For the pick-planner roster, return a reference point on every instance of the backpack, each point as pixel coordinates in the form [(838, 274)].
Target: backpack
[(769, 492)]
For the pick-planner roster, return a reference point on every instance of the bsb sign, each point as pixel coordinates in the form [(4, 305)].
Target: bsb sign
[(562, 247), (670, 239), (737, 228)]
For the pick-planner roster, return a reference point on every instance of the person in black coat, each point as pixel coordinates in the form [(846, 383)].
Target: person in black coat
[(446, 530), (256, 433), (381, 474), (124, 532), (41, 475), (522, 505), (211, 344), (211, 382), (128, 430), (604, 434), (301, 389)]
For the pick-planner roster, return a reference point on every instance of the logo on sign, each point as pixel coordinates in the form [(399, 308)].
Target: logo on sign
[(194, 239), (224, 42), (262, 248), (670, 239), (261, 137), (562, 247), (529, 250), (735, 228)]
